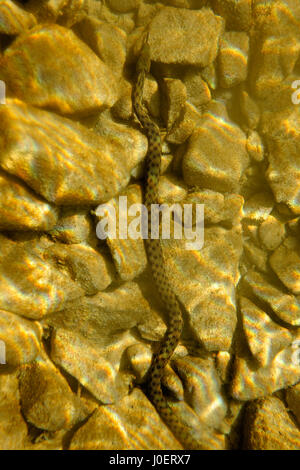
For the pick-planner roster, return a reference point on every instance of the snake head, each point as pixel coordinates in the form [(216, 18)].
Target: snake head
[(144, 60)]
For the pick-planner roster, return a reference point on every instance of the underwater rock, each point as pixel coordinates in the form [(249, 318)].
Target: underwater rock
[(35, 74), (124, 6), (90, 337), (268, 426), (47, 401), (48, 440), (293, 397), (237, 13), (231, 425), (255, 146), (192, 36), (21, 338), (183, 128), (22, 209), (277, 52), (217, 109), (129, 254), (285, 306), (29, 285), (222, 364), (271, 232), (139, 356), (198, 92), (146, 12), (204, 282), (274, 64), (216, 155), (170, 190), (175, 95), (285, 262), (122, 109), (125, 21), (250, 382), (258, 207), (218, 207), (206, 436), (265, 338), (106, 40), (86, 266), (172, 383), (278, 19), (13, 19), (151, 96), (250, 110), (95, 368), (256, 256), (13, 429), (131, 424), (105, 315), (155, 326), (203, 389), (73, 226), (66, 12), (283, 173), (209, 74), (51, 8), (166, 159), (61, 159), (132, 143), (72, 13), (233, 58)]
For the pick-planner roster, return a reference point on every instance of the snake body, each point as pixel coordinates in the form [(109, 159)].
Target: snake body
[(156, 260)]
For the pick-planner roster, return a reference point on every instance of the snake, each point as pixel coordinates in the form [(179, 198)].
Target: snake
[(156, 260)]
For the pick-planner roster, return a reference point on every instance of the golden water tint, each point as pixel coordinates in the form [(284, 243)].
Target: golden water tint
[(82, 318)]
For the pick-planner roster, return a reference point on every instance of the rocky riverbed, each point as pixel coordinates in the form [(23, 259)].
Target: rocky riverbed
[(80, 317)]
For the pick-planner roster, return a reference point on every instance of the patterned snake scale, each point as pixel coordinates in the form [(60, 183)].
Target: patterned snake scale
[(156, 260)]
